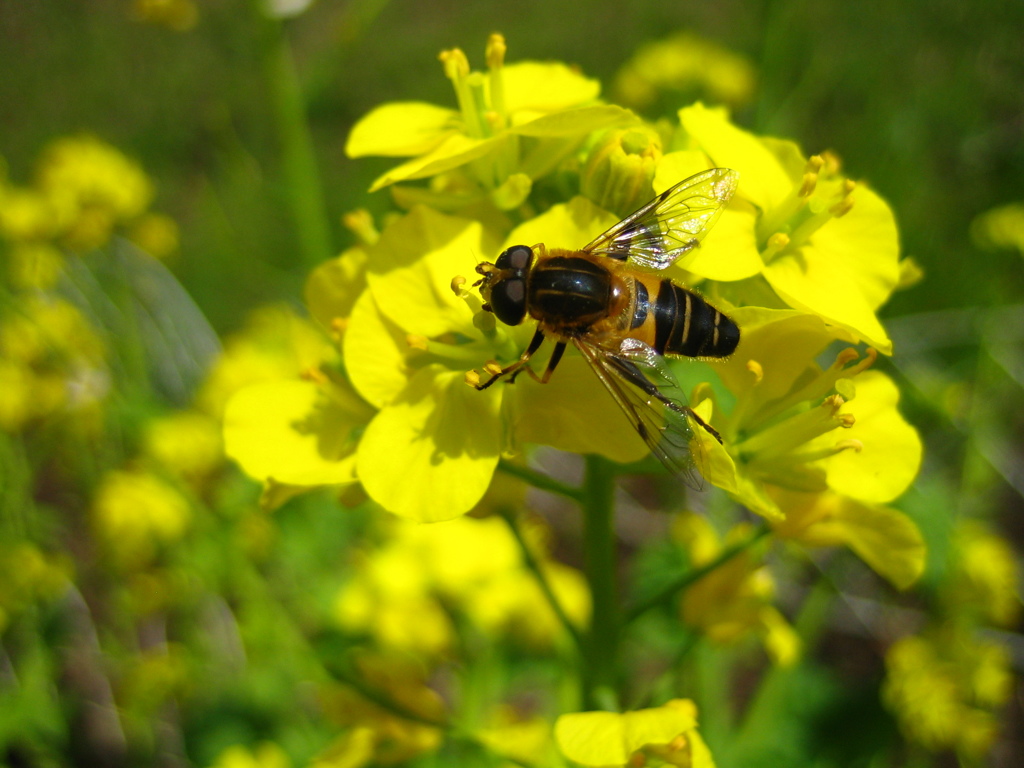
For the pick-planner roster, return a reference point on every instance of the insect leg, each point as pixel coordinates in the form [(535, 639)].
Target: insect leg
[(513, 368), (556, 355), (636, 377)]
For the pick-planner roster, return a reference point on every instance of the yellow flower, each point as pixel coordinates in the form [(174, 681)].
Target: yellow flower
[(514, 124), (94, 186), (377, 735), (28, 575), (797, 426), (430, 452), (187, 443), (986, 577), (265, 755), (28, 214), (400, 591), (136, 513), (34, 265), (944, 690), (825, 245), (1001, 227), (156, 234), (883, 537), (275, 344), (736, 598), (816, 451), (50, 362), (665, 735), (682, 65)]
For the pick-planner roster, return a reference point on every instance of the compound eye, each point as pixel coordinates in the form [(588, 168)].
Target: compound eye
[(517, 257), (508, 300)]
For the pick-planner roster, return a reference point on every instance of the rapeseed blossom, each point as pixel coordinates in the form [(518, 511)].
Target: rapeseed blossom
[(734, 600), (947, 683), (817, 451), (403, 592), (816, 252), (680, 65), (665, 735), (136, 514), (515, 123)]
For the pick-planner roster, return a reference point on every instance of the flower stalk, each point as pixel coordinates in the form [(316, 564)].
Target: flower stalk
[(601, 650)]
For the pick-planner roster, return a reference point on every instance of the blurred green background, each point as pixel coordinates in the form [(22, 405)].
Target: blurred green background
[(922, 100)]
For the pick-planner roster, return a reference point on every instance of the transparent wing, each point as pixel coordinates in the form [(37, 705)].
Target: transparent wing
[(643, 386), (672, 224)]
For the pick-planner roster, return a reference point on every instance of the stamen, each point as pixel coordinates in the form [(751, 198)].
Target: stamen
[(456, 65), (811, 171), (852, 445), (496, 49), (495, 60), (314, 374), (832, 163), (457, 282), (755, 368), (776, 243), (841, 208), (809, 183), (456, 69), (338, 327), (417, 342), (492, 367), (472, 379), (360, 223)]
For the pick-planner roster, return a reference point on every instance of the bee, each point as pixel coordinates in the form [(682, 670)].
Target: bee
[(605, 300)]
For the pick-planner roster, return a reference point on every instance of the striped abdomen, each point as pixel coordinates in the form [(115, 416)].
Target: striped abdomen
[(685, 324)]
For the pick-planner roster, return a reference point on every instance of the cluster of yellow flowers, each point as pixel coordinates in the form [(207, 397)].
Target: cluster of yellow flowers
[(804, 255), (947, 683), (801, 259)]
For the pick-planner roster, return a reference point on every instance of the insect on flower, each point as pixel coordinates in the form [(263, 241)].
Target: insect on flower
[(603, 299)]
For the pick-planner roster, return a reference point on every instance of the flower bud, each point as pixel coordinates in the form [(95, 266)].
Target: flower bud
[(620, 169)]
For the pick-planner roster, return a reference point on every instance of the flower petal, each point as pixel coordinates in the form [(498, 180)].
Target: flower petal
[(289, 432), (764, 180), (885, 539), (609, 738), (575, 122), (891, 453), (730, 252), (412, 266), (546, 87), (567, 225), (454, 150), (374, 349), (333, 287), (866, 242), (814, 283), (574, 413), (401, 129), (430, 455)]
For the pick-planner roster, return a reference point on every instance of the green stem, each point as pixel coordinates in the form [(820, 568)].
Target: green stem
[(695, 575), (540, 481), (302, 182), (601, 650), (542, 580)]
